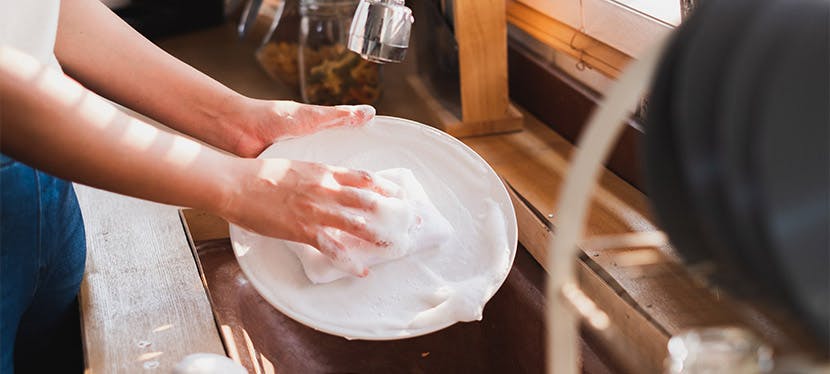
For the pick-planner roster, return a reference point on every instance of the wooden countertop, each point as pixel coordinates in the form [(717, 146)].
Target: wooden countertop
[(143, 302)]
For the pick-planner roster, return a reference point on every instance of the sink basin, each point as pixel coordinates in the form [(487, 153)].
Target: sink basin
[(510, 338)]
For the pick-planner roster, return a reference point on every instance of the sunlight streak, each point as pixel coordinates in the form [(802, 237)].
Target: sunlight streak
[(644, 239), (585, 307), (163, 327), (637, 257), (139, 134), (227, 334), (251, 351), (183, 151), (267, 366), (149, 355), (22, 64)]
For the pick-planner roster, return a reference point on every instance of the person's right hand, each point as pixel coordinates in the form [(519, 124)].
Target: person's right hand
[(302, 201)]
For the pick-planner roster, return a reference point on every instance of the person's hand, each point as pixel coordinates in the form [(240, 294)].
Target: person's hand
[(263, 122), (303, 202)]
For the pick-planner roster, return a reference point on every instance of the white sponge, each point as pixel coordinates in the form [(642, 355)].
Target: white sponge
[(407, 223)]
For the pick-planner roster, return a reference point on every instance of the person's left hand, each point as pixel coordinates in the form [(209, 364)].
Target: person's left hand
[(263, 122)]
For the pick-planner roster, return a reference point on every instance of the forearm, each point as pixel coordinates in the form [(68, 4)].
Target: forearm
[(51, 122), (108, 56)]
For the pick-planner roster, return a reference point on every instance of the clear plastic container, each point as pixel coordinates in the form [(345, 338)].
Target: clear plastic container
[(331, 74)]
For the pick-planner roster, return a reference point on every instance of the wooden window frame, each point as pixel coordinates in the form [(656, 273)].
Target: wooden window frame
[(608, 21)]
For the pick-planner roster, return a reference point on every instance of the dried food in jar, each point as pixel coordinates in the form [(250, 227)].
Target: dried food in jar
[(279, 60), (336, 76)]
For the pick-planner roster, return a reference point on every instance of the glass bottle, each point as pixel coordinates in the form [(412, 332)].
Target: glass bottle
[(331, 74)]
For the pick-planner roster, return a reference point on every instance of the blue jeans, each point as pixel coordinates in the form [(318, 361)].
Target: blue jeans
[(42, 255)]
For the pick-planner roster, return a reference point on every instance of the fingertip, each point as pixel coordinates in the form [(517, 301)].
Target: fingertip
[(386, 188), (355, 268), (359, 114), (365, 112), (364, 175)]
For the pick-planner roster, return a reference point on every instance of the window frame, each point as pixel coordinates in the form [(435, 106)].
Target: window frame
[(610, 22)]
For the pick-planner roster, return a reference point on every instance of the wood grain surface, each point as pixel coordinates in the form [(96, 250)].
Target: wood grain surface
[(481, 25), (142, 301)]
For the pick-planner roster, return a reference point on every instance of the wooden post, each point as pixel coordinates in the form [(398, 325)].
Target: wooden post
[(481, 33)]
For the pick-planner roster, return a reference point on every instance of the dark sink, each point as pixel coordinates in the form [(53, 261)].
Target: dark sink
[(510, 338)]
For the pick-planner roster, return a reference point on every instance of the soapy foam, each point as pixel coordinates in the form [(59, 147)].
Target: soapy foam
[(423, 291), (407, 223)]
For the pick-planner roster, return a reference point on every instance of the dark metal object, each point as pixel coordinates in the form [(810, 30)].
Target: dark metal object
[(696, 103), (787, 154), (666, 185), (737, 150)]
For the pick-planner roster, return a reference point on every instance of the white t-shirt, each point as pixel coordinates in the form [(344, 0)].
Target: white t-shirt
[(30, 26)]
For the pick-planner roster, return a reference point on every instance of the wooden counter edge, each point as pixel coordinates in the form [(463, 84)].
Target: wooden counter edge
[(143, 305)]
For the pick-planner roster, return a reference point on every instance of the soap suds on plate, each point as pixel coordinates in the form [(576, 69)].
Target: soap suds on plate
[(407, 223), (426, 289)]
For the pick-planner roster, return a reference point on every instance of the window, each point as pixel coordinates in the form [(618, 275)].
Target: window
[(629, 26), (573, 50), (665, 11)]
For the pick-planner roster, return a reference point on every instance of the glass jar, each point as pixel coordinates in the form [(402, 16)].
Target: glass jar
[(278, 54), (331, 74), (710, 350)]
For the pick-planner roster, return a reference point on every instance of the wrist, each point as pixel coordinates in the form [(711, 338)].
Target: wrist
[(227, 183), (242, 120), (242, 185)]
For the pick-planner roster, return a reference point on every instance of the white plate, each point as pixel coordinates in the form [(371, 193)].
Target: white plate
[(407, 297)]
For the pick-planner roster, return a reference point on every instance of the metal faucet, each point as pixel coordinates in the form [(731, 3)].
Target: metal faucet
[(380, 30)]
